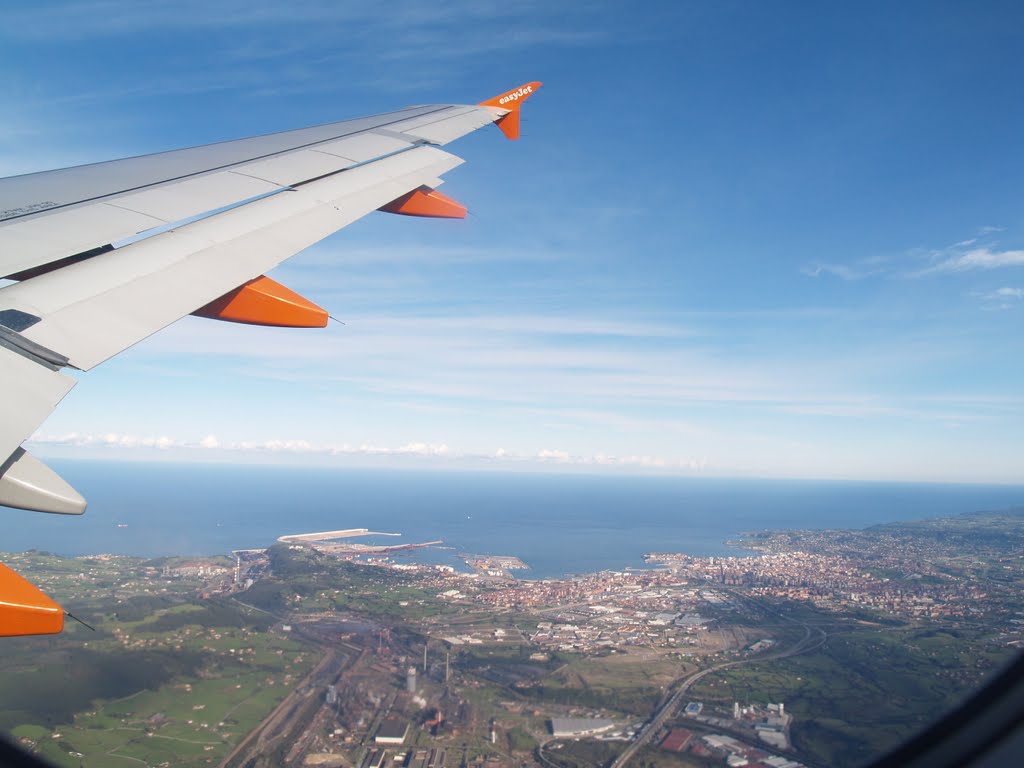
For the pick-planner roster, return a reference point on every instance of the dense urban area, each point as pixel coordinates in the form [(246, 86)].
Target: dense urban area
[(818, 648)]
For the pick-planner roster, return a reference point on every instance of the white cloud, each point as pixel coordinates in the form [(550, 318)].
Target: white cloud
[(1009, 293), (549, 454), (658, 462), (424, 449), (274, 446), (108, 440), (978, 258), (415, 450)]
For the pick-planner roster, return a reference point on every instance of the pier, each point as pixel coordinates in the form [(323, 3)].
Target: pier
[(328, 535)]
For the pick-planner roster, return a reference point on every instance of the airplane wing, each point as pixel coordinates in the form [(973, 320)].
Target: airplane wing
[(104, 255)]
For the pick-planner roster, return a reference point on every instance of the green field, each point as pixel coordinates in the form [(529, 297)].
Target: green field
[(862, 692), (309, 581), (182, 686), (583, 753)]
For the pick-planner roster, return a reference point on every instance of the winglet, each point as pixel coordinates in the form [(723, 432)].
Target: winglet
[(511, 101)]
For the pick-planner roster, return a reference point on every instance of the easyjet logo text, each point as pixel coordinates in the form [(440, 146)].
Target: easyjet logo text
[(516, 95)]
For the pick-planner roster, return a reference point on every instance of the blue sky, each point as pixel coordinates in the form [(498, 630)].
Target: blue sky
[(736, 239)]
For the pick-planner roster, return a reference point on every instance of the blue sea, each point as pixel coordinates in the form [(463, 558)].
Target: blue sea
[(557, 524)]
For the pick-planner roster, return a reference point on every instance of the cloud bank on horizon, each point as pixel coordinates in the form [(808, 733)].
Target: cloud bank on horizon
[(733, 240)]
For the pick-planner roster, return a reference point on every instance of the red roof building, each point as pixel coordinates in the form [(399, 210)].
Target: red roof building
[(677, 740)]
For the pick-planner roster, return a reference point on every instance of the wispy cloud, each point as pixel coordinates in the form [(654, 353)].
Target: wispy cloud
[(1001, 298), (976, 258), (261, 48), (1009, 293), (490, 358), (408, 26), (869, 266), (648, 383), (975, 253), (843, 271)]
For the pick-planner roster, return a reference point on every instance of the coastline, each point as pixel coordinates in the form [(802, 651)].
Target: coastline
[(557, 525)]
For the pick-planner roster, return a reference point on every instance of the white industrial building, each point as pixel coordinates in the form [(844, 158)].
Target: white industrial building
[(569, 727)]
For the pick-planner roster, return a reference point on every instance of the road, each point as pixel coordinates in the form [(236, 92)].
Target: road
[(809, 642)]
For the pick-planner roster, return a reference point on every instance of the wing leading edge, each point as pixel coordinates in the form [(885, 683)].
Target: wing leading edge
[(212, 220)]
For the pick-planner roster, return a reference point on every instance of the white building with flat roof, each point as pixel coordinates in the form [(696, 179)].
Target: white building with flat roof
[(567, 727)]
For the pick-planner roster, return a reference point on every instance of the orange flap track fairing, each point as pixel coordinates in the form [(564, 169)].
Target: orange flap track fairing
[(25, 609), (265, 302), (426, 202), (513, 102)]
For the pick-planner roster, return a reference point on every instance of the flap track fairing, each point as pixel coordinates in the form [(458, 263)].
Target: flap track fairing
[(27, 483), (25, 609), (426, 202), (265, 302)]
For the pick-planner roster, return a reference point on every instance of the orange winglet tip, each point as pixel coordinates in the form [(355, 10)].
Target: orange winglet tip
[(265, 302), (25, 609), (512, 101), (426, 202), (509, 124)]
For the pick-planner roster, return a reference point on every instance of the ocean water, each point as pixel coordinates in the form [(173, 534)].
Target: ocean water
[(557, 524)]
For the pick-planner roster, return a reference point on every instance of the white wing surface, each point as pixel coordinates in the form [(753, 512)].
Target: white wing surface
[(88, 285)]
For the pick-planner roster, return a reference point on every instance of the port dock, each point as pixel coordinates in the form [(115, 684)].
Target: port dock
[(347, 533)]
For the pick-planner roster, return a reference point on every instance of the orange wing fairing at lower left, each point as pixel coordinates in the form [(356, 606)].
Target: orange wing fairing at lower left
[(25, 609)]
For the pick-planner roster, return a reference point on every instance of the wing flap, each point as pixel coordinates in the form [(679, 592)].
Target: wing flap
[(31, 391)]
